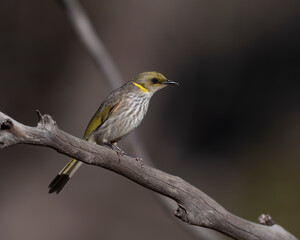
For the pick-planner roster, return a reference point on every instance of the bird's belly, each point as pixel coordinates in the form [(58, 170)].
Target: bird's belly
[(118, 126)]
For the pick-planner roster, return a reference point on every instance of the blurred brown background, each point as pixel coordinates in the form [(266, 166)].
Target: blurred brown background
[(231, 128)]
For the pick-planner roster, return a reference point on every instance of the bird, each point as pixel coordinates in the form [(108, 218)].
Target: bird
[(118, 115)]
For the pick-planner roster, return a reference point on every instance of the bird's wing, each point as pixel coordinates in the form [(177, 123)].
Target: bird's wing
[(100, 117)]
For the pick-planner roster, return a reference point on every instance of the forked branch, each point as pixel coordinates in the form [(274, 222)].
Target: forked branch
[(194, 206)]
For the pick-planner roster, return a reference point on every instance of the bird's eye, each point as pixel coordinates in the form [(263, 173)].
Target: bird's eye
[(154, 80)]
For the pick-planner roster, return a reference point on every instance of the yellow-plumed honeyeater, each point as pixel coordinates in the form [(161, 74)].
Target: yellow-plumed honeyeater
[(118, 115)]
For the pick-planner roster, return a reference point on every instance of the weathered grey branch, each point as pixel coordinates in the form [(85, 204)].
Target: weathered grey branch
[(194, 206)]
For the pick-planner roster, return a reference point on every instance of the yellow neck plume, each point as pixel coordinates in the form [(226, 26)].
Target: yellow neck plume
[(140, 87)]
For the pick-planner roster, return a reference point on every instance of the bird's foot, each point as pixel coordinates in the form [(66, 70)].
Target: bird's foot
[(118, 151), (120, 154)]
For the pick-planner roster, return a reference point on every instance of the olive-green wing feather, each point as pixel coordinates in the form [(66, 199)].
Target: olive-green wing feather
[(100, 117), (102, 114)]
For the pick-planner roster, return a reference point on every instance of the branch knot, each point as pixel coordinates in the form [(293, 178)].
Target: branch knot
[(45, 121), (6, 124), (181, 213), (266, 219)]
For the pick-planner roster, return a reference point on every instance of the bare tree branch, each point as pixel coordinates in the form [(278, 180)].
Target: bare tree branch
[(194, 206), (93, 44)]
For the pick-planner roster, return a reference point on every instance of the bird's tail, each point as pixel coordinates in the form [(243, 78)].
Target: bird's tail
[(64, 176)]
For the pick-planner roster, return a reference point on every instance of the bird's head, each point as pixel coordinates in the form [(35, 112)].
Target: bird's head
[(150, 82)]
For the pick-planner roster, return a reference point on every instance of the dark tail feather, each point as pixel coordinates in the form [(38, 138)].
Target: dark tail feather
[(58, 183)]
